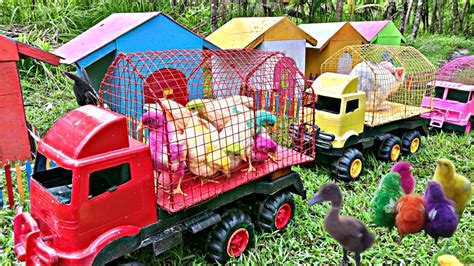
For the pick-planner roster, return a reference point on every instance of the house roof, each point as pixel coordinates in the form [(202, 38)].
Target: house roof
[(11, 49), (369, 29), (248, 32), (103, 33), (323, 32)]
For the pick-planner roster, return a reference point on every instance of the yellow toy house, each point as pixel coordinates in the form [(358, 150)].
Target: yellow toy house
[(331, 38), (266, 34)]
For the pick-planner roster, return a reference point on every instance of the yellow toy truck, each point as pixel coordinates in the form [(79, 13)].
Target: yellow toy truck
[(368, 105)]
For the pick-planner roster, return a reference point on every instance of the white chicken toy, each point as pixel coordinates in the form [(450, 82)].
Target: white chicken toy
[(378, 81)]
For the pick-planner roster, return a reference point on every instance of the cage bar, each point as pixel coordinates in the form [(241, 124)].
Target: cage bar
[(214, 120), (394, 78)]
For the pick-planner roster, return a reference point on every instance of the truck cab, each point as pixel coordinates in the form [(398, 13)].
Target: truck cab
[(453, 106), (101, 188), (346, 129), (340, 108)]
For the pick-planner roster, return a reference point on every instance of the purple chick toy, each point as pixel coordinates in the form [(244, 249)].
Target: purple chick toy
[(265, 148), (407, 181), (442, 218), (159, 150)]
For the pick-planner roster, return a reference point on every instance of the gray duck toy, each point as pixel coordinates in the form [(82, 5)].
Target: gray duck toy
[(349, 232)]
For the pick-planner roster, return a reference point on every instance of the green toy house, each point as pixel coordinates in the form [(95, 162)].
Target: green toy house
[(379, 32)]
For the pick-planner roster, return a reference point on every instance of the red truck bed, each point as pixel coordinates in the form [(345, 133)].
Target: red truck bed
[(197, 192)]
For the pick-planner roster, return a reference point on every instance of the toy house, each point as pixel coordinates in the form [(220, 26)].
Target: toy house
[(266, 34), (331, 38), (95, 49), (14, 142), (379, 32)]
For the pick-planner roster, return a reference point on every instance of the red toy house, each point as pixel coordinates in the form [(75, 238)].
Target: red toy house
[(14, 144)]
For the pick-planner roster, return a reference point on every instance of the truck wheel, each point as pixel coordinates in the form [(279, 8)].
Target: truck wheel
[(231, 236), (349, 166), (411, 142), (276, 212), (390, 149)]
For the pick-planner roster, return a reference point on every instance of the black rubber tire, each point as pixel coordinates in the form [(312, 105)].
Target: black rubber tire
[(386, 146), (341, 168), (232, 220), (268, 209), (407, 139)]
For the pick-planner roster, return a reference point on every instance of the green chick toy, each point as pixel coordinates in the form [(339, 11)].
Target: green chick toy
[(385, 199)]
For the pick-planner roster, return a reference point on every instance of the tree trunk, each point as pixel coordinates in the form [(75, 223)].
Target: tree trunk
[(455, 15), (214, 21), (312, 11), (465, 7), (266, 10), (416, 23), (223, 12), (440, 16), (340, 3), (391, 9), (407, 18), (403, 15), (245, 4), (433, 16), (425, 16)]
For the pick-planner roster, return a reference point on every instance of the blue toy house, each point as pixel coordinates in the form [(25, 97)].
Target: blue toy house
[(95, 49)]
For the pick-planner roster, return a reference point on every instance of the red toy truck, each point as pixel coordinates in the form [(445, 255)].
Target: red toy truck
[(105, 199)]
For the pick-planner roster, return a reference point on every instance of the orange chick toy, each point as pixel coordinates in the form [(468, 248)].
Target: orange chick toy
[(410, 217)]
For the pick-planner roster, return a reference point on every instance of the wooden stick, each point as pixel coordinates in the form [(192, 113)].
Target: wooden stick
[(8, 175), (28, 173), (19, 180)]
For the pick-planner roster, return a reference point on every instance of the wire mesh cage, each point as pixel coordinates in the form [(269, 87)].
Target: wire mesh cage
[(214, 120), (394, 79), (460, 70)]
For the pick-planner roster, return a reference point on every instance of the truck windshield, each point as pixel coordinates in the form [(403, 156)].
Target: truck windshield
[(56, 180), (328, 104), (458, 96)]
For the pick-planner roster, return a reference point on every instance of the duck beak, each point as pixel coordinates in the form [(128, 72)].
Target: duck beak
[(315, 199)]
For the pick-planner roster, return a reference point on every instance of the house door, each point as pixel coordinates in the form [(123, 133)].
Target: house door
[(168, 83)]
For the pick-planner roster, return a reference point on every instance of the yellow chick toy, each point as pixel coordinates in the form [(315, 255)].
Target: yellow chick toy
[(448, 260), (455, 186)]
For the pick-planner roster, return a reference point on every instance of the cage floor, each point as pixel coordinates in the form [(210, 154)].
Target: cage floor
[(197, 192), (398, 111)]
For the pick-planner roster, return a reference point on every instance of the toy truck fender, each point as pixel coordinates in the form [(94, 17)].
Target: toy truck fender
[(112, 237), (340, 142)]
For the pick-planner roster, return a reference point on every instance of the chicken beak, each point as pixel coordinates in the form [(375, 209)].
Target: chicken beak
[(139, 127), (315, 199), (438, 162), (411, 169)]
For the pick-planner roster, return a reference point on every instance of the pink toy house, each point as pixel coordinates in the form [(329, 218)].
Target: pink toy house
[(453, 103)]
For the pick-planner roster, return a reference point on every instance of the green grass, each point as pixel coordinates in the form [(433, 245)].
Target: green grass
[(436, 47)]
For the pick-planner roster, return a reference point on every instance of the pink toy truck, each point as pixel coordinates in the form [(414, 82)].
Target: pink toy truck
[(453, 106)]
